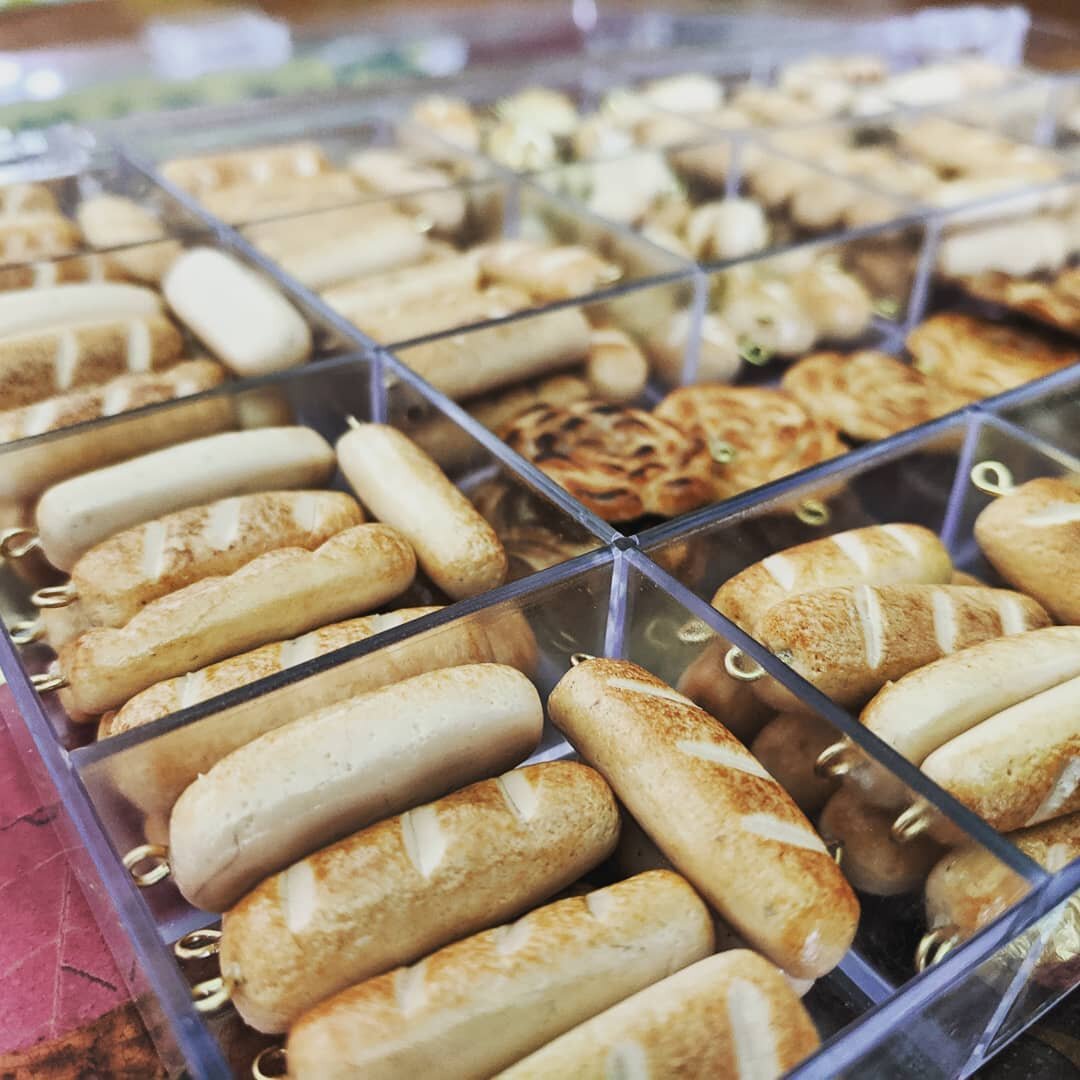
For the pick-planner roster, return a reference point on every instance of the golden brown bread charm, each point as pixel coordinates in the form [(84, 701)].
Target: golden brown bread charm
[(620, 462), (979, 358), (579, 956), (868, 394), (118, 577), (1032, 538), (730, 1015), (1055, 301), (398, 890), (61, 271), (756, 434), (713, 810), (849, 642), (891, 554)]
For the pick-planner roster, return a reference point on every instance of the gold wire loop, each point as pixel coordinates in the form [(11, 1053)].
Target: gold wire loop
[(733, 665), (913, 822), (353, 423), (26, 632), (158, 858), (721, 451), (47, 681), (694, 632), (270, 1064), (18, 543), (55, 596), (813, 512), (934, 945), (210, 995), (834, 761), (993, 478), (580, 658), (836, 850), (198, 944), (753, 353), (888, 307)]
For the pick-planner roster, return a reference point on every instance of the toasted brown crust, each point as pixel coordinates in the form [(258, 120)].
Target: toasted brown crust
[(871, 859), (37, 235), (1017, 768), (713, 810), (771, 434), (934, 704), (61, 271), (280, 594), (1054, 301), (239, 203), (620, 462), (342, 768), (260, 164), (969, 887), (463, 366), (547, 273), (579, 956), (979, 358), (170, 696), (400, 889), (31, 366), (849, 642), (874, 555), (868, 394), (729, 1015), (1032, 538), (116, 579), (117, 396), (456, 547)]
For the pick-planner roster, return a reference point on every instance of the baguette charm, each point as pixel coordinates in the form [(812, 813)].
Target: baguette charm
[(713, 810), (400, 889)]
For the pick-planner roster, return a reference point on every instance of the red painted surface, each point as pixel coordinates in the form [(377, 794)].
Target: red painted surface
[(56, 973)]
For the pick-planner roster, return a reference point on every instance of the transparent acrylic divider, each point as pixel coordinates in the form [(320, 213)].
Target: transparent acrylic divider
[(535, 625), (667, 625), (1049, 409)]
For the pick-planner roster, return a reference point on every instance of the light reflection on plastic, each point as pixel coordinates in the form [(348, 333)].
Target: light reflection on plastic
[(44, 83), (10, 72)]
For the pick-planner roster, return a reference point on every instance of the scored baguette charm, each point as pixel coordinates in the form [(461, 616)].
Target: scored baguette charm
[(730, 1015), (277, 595), (849, 642), (400, 889), (74, 516), (342, 768), (1032, 538), (875, 555), (713, 810), (118, 577), (578, 956)]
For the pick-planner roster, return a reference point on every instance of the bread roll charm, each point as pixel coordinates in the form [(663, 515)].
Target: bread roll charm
[(121, 575), (1032, 538), (401, 485), (343, 767), (400, 889), (44, 363), (928, 707), (74, 516), (713, 810), (277, 595), (30, 311), (849, 642), (730, 1015), (242, 318), (875, 555), (578, 956)]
